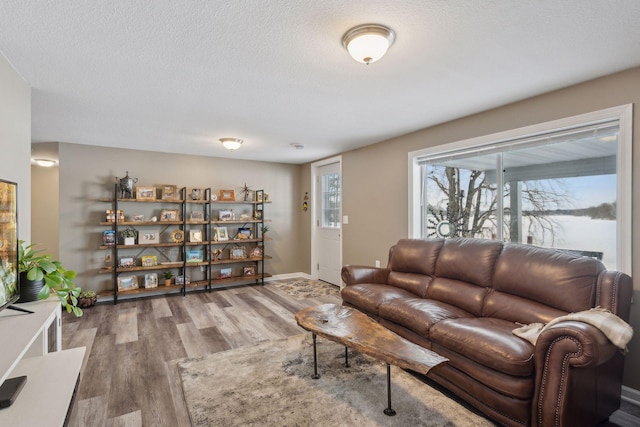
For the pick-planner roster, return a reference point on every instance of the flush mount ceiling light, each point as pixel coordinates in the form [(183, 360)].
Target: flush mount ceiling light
[(231, 144), (45, 162), (369, 42)]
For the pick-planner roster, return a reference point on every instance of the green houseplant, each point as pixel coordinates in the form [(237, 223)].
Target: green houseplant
[(36, 267), (129, 236), (167, 277)]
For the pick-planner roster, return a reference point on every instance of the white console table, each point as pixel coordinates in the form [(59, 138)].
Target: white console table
[(51, 377)]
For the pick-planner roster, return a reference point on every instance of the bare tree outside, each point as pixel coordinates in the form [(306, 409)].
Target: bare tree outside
[(465, 202)]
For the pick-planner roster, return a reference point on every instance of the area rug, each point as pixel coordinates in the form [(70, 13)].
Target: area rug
[(305, 288), (270, 385)]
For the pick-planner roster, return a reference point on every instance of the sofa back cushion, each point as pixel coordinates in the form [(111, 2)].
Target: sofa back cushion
[(468, 260), (560, 280), (412, 264), (415, 256)]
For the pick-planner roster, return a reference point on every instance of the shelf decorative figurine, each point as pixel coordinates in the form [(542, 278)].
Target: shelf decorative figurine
[(125, 185)]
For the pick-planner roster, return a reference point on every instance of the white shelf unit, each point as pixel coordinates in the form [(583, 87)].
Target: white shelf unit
[(51, 377)]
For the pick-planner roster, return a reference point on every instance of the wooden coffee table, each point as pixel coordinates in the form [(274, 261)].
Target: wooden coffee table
[(358, 331)]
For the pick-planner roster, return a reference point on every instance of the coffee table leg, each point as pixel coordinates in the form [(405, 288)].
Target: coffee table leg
[(346, 356), (315, 375), (390, 412)]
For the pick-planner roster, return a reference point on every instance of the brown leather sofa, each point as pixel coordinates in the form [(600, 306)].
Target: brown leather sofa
[(462, 298)]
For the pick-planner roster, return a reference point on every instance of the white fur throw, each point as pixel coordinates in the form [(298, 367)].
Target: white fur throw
[(617, 330)]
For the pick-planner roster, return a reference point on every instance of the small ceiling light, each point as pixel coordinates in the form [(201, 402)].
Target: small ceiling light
[(231, 144), (45, 162), (369, 42)]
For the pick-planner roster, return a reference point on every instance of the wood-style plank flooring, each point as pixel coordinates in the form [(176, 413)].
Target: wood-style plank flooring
[(129, 375)]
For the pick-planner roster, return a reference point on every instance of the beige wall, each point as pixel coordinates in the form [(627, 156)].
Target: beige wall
[(15, 140), (44, 201), (87, 174), (375, 178)]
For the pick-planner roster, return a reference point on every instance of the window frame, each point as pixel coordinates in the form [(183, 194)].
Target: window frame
[(623, 114)]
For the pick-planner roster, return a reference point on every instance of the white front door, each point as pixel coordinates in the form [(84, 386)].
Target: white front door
[(328, 202)]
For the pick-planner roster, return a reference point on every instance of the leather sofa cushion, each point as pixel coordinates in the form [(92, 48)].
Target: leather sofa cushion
[(369, 296), (486, 341), (508, 385), (417, 314), (466, 296), (517, 309), (415, 256), (527, 271), (468, 260), (414, 283)]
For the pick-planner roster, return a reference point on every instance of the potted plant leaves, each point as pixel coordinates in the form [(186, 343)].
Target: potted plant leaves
[(129, 236), (40, 274), (87, 299), (167, 277)]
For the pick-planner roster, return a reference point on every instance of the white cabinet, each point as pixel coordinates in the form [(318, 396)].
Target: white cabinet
[(51, 377)]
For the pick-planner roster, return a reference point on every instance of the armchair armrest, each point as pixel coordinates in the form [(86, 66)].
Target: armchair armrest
[(353, 274), (561, 350)]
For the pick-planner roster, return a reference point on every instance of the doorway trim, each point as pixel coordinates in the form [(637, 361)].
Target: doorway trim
[(315, 166)]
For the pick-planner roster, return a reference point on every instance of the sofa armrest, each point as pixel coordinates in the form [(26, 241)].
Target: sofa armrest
[(352, 274), (559, 351)]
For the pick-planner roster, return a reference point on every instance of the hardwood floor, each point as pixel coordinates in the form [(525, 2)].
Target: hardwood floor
[(129, 375)]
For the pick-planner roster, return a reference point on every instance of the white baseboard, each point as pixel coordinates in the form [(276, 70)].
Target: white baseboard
[(288, 276), (631, 395)]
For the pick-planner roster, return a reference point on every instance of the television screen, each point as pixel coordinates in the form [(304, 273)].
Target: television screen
[(9, 286)]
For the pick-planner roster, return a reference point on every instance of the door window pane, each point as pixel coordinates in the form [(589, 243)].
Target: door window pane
[(331, 200)]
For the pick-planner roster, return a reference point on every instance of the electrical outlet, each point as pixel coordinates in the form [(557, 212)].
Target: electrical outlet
[(377, 263)]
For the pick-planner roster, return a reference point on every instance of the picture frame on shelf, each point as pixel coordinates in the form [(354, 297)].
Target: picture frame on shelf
[(225, 215), (108, 238), (151, 280), (195, 236), (169, 192), (258, 196), (257, 214), (169, 215), (196, 216), (226, 273), (149, 260), (256, 252), (221, 234), (227, 195), (149, 237), (145, 193), (182, 280), (194, 255), (127, 283), (249, 270), (238, 252), (137, 218), (127, 262), (244, 233)]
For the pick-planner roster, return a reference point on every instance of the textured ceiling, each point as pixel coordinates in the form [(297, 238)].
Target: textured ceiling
[(174, 76)]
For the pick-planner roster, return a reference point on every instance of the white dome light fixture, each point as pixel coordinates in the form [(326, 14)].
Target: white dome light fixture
[(231, 144), (46, 163), (369, 42)]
